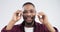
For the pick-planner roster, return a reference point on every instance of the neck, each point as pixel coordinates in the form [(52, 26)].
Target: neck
[(31, 25)]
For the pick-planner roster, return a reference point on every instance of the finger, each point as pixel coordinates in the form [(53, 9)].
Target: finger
[(41, 20), (41, 13), (39, 16), (18, 12)]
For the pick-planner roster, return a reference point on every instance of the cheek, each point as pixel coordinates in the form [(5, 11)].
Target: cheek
[(33, 14)]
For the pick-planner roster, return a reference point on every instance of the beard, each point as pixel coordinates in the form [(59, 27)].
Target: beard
[(29, 22)]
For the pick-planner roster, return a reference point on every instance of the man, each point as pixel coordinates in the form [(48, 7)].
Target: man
[(29, 24)]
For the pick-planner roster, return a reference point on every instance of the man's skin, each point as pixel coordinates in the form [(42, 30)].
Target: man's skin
[(28, 14)]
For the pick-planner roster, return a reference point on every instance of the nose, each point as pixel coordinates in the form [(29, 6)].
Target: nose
[(29, 14)]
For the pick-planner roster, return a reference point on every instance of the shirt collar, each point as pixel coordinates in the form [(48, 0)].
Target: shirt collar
[(23, 24)]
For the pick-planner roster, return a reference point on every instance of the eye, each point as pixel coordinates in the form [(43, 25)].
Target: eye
[(25, 11), (32, 11)]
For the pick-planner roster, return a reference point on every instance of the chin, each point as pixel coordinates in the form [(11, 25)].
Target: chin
[(29, 21)]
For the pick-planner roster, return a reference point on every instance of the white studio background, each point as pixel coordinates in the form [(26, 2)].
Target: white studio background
[(50, 7)]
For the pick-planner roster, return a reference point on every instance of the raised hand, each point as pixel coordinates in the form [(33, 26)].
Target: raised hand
[(42, 17), (17, 15)]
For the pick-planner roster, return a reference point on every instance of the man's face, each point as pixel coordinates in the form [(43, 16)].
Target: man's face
[(29, 13)]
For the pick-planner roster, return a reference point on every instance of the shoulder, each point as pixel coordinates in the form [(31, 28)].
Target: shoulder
[(38, 24), (42, 26), (17, 26)]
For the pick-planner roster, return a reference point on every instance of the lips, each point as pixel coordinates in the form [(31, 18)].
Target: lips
[(28, 19)]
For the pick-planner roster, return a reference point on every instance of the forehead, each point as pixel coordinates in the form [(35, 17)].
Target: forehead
[(28, 7)]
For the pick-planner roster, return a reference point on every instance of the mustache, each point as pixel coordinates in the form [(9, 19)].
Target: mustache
[(25, 17)]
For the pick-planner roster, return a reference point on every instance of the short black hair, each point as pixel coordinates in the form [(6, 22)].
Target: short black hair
[(28, 3)]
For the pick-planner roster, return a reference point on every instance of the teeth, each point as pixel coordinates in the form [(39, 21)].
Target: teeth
[(29, 18)]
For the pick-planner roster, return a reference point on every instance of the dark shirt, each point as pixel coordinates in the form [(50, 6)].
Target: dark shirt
[(20, 28)]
